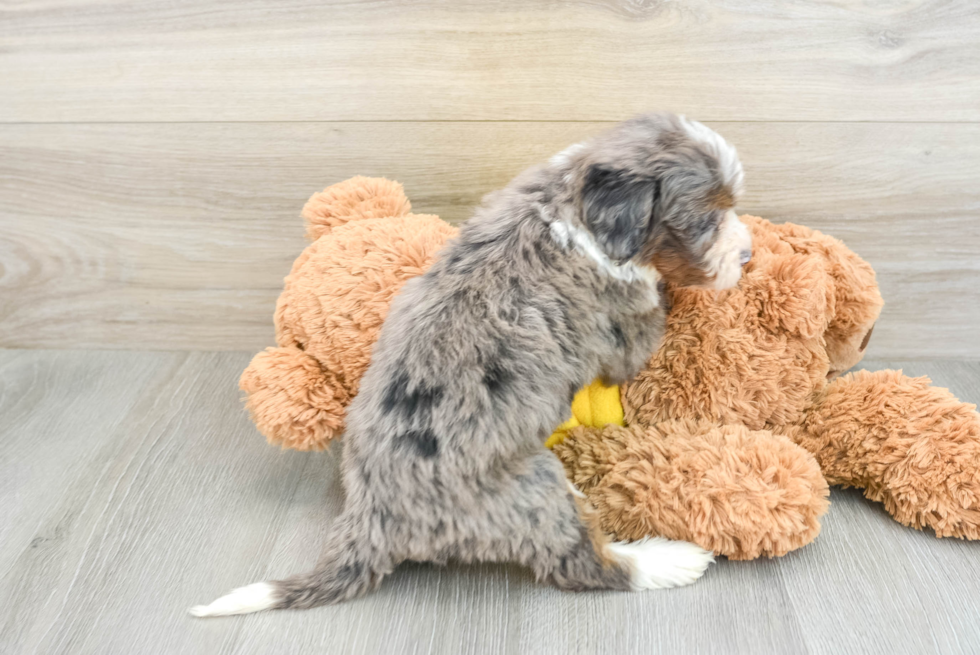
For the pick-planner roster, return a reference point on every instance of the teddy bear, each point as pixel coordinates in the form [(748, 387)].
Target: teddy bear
[(728, 437), (767, 357)]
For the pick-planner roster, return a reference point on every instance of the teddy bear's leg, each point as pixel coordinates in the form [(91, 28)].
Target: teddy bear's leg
[(736, 492), (292, 400), (909, 445), (354, 199), (534, 518)]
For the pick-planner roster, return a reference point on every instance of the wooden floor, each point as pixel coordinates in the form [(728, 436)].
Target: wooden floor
[(132, 485)]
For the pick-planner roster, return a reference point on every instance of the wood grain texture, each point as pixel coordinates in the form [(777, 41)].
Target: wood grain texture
[(193, 60), (178, 236), (132, 486)]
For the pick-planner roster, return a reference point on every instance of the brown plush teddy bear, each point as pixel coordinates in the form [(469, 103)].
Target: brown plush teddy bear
[(713, 452), (766, 356)]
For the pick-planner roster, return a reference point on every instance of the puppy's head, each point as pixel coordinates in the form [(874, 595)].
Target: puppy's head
[(659, 190)]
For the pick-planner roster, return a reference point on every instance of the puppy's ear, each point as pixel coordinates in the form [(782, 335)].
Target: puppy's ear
[(617, 208)]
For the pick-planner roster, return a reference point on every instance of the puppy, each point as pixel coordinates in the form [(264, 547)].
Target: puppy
[(553, 282)]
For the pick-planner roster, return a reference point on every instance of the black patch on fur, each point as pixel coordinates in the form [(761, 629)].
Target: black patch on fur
[(618, 210), (425, 443), (385, 517), (461, 262), (394, 393), (411, 401), (572, 390), (496, 377), (618, 336)]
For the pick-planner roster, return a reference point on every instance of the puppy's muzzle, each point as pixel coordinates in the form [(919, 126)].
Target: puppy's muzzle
[(730, 252)]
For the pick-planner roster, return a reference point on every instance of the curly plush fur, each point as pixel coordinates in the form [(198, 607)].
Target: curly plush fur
[(726, 488), (754, 355), (762, 357), (907, 444), (765, 356)]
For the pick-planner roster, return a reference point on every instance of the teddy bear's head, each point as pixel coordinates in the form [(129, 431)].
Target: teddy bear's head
[(366, 244), (851, 301), (802, 314)]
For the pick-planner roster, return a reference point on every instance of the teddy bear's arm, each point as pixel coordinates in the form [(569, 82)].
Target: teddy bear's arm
[(909, 445), (740, 493)]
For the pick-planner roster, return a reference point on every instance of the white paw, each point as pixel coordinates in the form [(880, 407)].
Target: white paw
[(658, 563)]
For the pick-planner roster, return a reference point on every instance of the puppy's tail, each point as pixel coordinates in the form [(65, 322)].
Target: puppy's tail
[(345, 571)]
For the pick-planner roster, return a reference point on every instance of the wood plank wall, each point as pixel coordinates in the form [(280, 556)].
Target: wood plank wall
[(154, 156)]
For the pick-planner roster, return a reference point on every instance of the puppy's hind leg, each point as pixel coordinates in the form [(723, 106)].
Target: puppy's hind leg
[(348, 568), (570, 550)]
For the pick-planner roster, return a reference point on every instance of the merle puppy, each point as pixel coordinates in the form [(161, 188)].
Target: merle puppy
[(553, 282)]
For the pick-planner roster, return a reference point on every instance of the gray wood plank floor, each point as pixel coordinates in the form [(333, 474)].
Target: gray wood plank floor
[(132, 485)]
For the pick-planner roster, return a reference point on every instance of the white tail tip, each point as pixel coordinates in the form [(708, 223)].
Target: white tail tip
[(659, 563), (253, 598)]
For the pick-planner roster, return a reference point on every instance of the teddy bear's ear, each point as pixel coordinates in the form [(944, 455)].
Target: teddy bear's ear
[(351, 200), (791, 293), (856, 301)]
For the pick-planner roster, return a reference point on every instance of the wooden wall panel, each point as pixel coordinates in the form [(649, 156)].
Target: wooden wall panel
[(206, 60), (177, 236)]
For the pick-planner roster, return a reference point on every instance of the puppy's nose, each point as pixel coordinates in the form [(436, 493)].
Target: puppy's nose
[(744, 257)]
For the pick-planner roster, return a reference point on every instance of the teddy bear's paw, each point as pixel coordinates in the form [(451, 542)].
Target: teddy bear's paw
[(735, 492), (354, 199), (911, 446), (658, 563), (936, 484), (938, 511), (292, 400), (588, 454)]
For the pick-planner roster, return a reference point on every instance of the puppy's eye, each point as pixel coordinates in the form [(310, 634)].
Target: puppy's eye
[(709, 224)]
